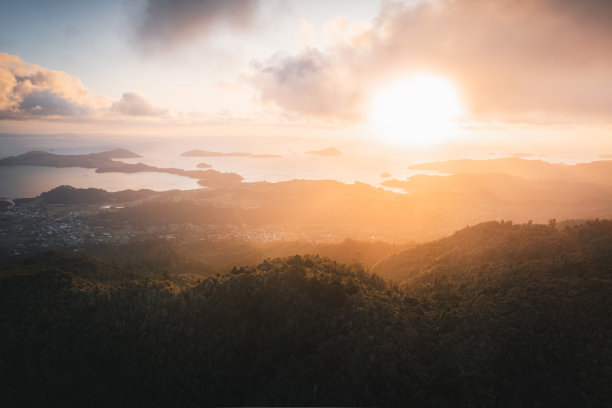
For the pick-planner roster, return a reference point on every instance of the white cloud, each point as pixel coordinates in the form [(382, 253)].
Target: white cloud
[(29, 91), (513, 60)]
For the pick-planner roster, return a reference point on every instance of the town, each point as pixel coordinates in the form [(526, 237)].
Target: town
[(31, 227)]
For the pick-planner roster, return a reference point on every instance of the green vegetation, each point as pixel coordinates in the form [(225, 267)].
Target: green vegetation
[(496, 315), (157, 257)]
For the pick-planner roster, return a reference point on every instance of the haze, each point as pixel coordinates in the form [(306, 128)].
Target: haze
[(530, 76), (306, 203)]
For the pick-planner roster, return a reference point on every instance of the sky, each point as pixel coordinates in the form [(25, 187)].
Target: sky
[(526, 75)]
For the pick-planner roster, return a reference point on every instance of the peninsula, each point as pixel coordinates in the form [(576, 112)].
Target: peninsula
[(103, 163)]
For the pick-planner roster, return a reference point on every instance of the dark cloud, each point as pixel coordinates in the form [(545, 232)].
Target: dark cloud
[(159, 24), (49, 103), (134, 104), (511, 59)]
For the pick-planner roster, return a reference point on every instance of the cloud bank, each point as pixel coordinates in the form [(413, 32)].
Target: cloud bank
[(312, 83), (161, 24), (29, 91), (511, 59)]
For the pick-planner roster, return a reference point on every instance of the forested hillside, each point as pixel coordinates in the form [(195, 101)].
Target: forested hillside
[(495, 315), (497, 248), (157, 257)]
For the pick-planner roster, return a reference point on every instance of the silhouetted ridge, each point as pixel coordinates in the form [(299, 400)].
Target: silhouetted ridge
[(71, 195)]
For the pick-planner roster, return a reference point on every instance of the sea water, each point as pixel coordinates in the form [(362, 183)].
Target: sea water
[(361, 161), (29, 181)]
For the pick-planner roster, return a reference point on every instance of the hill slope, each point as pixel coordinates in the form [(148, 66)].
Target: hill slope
[(496, 315), (594, 172)]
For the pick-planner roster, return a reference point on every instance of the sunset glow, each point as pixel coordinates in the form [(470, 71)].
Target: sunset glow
[(420, 109), (306, 203)]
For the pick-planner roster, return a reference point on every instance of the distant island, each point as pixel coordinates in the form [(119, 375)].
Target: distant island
[(504, 187), (385, 175), (328, 152), (88, 161), (103, 163), (205, 153), (203, 166), (597, 172), (206, 178), (525, 155)]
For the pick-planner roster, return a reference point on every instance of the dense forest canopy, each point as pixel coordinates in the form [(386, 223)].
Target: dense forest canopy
[(498, 314), (392, 203)]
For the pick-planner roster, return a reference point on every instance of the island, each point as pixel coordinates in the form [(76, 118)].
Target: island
[(88, 161), (205, 153), (203, 166), (103, 163), (328, 152)]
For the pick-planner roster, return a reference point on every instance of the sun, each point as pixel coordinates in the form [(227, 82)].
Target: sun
[(420, 109)]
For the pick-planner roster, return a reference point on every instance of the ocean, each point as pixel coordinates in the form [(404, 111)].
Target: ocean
[(361, 161)]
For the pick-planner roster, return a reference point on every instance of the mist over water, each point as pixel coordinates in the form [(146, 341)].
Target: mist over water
[(361, 161), (354, 164), (30, 181)]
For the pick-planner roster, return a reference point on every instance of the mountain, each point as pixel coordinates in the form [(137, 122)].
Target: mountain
[(71, 195), (504, 247), (506, 187), (328, 152), (208, 257), (496, 315), (597, 172), (436, 206), (92, 160), (38, 158), (119, 154)]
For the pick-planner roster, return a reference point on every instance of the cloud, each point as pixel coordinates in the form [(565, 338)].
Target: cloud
[(306, 34), (312, 83), (226, 86), (341, 31), (529, 60), (31, 91), (134, 104), (49, 103), (162, 24)]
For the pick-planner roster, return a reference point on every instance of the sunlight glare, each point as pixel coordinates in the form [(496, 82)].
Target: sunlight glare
[(421, 109)]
